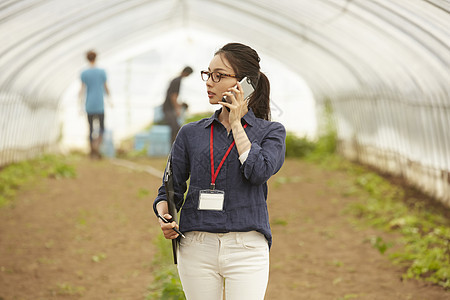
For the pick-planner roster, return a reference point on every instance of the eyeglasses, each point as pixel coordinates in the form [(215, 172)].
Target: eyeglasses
[(215, 76)]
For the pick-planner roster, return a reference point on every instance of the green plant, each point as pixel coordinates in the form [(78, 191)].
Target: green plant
[(379, 244), (57, 167), (425, 232), (298, 147), (322, 147), (326, 144), (143, 193), (315, 151), (136, 153), (279, 221), (167, 284), (427, 255), (66, 289), (197, 117), (99, 257), (15, 175)]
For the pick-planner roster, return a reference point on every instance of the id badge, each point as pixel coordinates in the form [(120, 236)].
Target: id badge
[(211, 200)]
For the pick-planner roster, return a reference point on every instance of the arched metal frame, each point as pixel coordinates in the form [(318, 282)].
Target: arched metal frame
[(383, 64)]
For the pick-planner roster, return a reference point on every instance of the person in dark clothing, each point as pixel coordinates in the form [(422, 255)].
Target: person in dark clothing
[(227, 160), (171, 107)]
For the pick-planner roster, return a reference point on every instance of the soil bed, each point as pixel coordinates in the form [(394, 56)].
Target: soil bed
[(92, 238)]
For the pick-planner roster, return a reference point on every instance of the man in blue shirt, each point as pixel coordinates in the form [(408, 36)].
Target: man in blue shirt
[(93, 86)]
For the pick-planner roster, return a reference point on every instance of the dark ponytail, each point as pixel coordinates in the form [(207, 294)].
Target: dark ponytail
[(259, 101), (245, 62)]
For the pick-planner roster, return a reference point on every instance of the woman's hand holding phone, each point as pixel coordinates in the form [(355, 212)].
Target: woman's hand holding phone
[(236, 102), (238, 108)]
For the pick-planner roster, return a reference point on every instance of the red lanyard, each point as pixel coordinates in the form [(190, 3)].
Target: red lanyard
[(211, 151)]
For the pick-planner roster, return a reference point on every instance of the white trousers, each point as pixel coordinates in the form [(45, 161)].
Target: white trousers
[(236, 263)]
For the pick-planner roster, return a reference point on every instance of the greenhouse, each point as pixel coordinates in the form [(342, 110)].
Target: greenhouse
[(382, 65), (374, 75)]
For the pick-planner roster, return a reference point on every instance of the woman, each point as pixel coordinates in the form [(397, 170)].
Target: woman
[(224, 217)]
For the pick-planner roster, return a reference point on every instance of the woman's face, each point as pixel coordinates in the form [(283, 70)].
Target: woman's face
[(216, 89)]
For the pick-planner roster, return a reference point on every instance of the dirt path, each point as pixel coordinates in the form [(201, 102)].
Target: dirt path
[(318, 254), (91, 238)]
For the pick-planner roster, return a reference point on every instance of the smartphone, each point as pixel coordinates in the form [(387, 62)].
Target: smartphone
[(248, 88)]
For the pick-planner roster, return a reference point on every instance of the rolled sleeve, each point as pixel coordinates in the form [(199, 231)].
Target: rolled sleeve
[(243, 156), (267, 157)]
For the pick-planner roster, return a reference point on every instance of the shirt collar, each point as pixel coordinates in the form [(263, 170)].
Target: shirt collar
[(249, 117)]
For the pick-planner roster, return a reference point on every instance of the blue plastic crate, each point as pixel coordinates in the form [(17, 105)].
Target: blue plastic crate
[(107, 148), (159, 140), (158, 114), (141, 141)]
